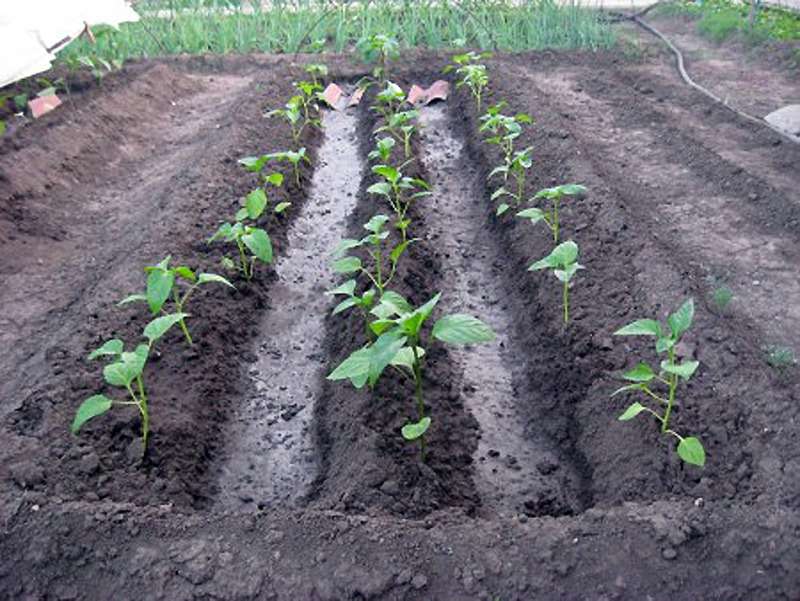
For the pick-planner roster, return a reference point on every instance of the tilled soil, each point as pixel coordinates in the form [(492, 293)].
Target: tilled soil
[(532, 488)]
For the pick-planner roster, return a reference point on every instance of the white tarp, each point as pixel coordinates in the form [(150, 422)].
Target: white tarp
[(31, 31)]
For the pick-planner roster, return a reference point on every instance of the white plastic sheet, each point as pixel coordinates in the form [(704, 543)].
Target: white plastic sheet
[(31, 31)]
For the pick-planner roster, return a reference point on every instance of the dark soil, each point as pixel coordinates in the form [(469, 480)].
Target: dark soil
[(570, 504)]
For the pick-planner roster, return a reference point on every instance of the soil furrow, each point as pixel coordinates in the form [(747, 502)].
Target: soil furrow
[(517, 466), (270, 457)]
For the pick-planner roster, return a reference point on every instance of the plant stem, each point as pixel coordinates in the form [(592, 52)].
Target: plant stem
[(673, 384), (243, 259), (418, 393), (145, 414), (566, 302), (555, 220)]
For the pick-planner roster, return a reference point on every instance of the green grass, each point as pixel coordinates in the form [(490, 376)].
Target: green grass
[(315, 26), (721, 19)]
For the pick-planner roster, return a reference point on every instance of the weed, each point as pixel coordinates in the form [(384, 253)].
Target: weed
[(550, 216), (779, 357), (162, 282), (126, 371), (563, 262), (401, 342), (721, 297), (670, 372)]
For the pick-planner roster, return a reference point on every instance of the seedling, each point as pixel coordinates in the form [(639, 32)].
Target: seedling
[(401, 191), (378, 274), (309, 100), (291, 113), (550, 216), (162, 282), (380, 48), (401, 126), (476, 79), (563, 262), (517, 167), (779, 357), (383, 150), (318, 72), (722, 296), (389, 100), (256, 164), (253, 244), (126, 371), (643, 377), (401, 343)]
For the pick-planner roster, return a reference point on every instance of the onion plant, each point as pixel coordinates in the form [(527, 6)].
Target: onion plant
[(549, 216), (644, 379), (401, 342), (162, 283), (563, 262), (126, 371)]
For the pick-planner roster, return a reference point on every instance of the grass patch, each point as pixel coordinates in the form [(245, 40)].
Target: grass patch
[(238, 26), (722, 19)]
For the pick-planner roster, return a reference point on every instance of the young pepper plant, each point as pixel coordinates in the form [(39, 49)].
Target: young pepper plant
[(162, 282), (318, 73), (402, 343), (401, 126), (253, 244), (383, 150), (294, 158), (475, 78), (643, 378), (518, 167), (550, 216), (126, 372), (563, 262), (380, 48), (378, 275), (400, 191), (389, 100)]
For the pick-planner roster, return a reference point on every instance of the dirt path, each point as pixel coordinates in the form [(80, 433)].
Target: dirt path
[(271, 460)]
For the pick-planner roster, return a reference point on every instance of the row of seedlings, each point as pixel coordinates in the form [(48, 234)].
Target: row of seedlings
[(503, 131), (168, 288)]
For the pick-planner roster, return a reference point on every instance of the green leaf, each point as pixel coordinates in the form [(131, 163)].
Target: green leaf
[(383, 350), (560, 191), (640, 327), (3, 127), (133, 298), (241, 214), (381, 325), (381, 188), (412, 323), (632, 412), (398, 250), (684, 370), (664, 343), (681, 320), (346, 304), (257, 240), (205, 278), (561, 256), (413, 431), (354, 367), (282, 206), (225, 231), (502, 208), (691, 450), (276, 179), (110, 347), (347, 265), (161, 325), (376, 223), (254, 164), (159, 286), (640, 373), (129, 366), (255, 203), (535, 215), (387, 171), (91, 407), (185, 273), (639, 386), (348, 289), (459, 328), (405, 357), (396, 302)]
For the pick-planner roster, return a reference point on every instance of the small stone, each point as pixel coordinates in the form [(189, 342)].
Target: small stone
[(419, 581), (669, 553), (404, 577), (390, 487), (699, 502)]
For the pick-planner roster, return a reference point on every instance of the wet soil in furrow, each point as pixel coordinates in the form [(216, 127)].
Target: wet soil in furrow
[(518, 467), (270, 455)]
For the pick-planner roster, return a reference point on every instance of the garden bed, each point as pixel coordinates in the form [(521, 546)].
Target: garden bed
[(267, 481)]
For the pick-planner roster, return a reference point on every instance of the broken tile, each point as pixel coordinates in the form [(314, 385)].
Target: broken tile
[(43, 105)]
